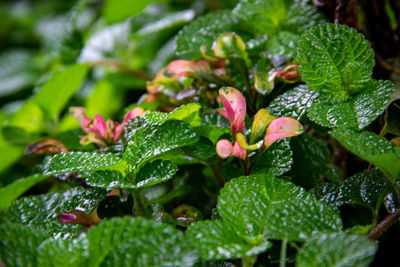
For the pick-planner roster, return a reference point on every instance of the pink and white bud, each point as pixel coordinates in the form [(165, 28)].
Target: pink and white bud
[(224, 148), (282, 127)]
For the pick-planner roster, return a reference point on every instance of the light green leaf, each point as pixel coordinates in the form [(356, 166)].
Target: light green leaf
[(41, 210), (154, 139), (116, 11), (188, 113), (293, 103), (55, 93), (373, 148), (12, 191), (335, 60), (336, 249), (18, 244)]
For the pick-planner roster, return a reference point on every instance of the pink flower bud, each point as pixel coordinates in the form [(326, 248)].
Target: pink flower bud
[(74, 217), (224, 148), (289, 74), (281, 128), (235, 108), (239, 151)]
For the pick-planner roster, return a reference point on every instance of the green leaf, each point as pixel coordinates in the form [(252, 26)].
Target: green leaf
[(202, 32), (249, 208), (188, 113), (153, 139), (18, 244), (59, 89), (336, 249), (41, 210), (12, 191), (82, 162), (361, 189), (124, 241), (335, 60), (357, 112), (373, 148), (276, 160), (311, 161), (293, 103), (116, 11), (283, 21)]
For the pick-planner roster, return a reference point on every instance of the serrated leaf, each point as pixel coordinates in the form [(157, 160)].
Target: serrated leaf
[(360, 189), (249, 208), (357, 112), (126, 241), (311, 161), (188, 113), (41, 210), (336, 249), (335, 61), (373, 148), (82, 162), (283, 21), (12, 191), (18, 244), (202, 32), (152, 140), (276, 160), (293, 103)]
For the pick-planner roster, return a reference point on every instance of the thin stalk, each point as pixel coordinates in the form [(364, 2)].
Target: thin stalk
[(282, 259), (249, 261), (219, 177), (120, 67), (384, 225)]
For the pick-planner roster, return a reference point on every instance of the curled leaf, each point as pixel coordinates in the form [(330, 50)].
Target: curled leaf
[(46, 146), (281, 128), (235, 108)]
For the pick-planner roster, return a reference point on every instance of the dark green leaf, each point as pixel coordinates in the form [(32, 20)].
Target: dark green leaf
[(41, 210), (335, 61), (18, 244), (373, 148), (293, 103), (276, 160), (336, 249)]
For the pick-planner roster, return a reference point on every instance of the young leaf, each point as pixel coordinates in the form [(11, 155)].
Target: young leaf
[(336, 249), (41, 210), (18, 244), (12, 191), (188, 113), (373, 148)]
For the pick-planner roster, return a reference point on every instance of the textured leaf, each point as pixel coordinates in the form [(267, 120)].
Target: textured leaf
[(152, 140), (335, 61), (293, 103), (202, 32), (357, 112), (283, 21), (12, 191), (82, 162), (258, 207), (188, 113), (361, 189), (336, 249), (373, 148), (276, 160), (18, 244), (41, 210), (124, 241), (311, 161)]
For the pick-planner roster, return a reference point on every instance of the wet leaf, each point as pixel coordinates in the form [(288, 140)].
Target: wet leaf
[(322, 250)]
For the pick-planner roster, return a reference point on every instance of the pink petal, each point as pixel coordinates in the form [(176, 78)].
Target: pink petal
[(99, 126), (117, 132), (85, 124), (238, 151), (281, 128), (133, 113), (235, 105), (79, 113), (73, 217), (188, 67), (224, 148)]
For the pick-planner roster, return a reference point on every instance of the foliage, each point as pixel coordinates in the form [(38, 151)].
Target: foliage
[(250, 128)]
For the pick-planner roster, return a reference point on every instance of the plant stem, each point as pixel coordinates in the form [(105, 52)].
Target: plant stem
[(249, 261), (282, 259), (138, 204), (218, 175), (384, 225), (120, 67)]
